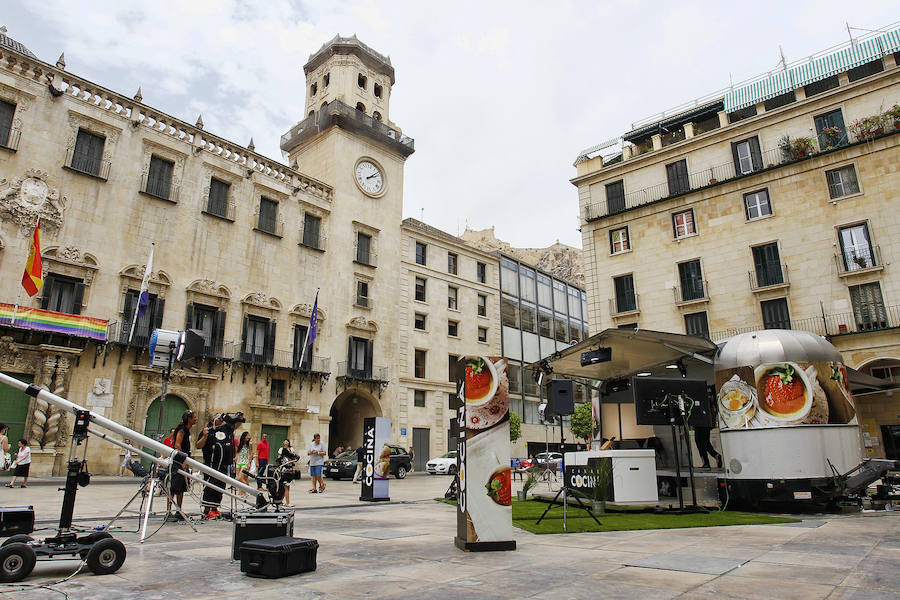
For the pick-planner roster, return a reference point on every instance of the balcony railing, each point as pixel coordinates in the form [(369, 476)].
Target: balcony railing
[(710, 176), (87, 164), (346, 371), (10, 139), (856, 260), (367, 258), (312, 364), (53, 322), (164, 190), (863, 319), (223, 210), (628, 305), (768, 276), (118, 332), (692, 292)]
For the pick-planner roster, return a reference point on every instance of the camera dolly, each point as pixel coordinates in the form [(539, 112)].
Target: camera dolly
[(102, 553)]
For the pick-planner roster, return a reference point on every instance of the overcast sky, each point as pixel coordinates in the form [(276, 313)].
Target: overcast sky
[(499, 96)]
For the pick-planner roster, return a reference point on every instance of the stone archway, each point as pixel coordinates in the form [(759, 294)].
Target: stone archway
[(347, 413)]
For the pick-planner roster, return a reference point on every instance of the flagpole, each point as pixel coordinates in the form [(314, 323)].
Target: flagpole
[(16, 309), (137, 303), (306, 337)]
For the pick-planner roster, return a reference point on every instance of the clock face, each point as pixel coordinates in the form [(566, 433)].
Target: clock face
[(369, 177)]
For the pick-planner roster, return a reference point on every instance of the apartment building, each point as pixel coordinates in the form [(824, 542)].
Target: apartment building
[(772, 204)]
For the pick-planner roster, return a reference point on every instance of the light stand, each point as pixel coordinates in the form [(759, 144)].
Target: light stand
[(678, 418)]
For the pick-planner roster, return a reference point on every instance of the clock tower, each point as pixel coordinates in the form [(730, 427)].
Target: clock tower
[(348, 141)]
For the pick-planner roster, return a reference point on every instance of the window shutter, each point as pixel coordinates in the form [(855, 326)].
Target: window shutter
[(350, 367), (245, 354), (270, 342), (189, 317), (218, 333), (127, 315), (755, 154), (157, 304), (369, 348), (47, 289), (737, 160), (78, 298)]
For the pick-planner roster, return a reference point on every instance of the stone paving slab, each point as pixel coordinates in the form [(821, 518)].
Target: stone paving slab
[(689, 563), (385, 534)]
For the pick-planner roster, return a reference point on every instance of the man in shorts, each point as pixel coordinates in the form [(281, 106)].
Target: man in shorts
[(317, 453)]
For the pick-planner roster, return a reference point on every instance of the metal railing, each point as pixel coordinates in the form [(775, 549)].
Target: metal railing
[(223, 210), (322, 118), (163, 190), (769, 276), (615, 309), (88, 164), (366, 258), (864, 319), (10, 138), (692, 292), (118, 332), (713, 175), (854, 260), (312, 364), (53, 322), (345, 370)]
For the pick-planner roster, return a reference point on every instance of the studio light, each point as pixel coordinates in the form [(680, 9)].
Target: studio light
[(168, 346), (593, 357)]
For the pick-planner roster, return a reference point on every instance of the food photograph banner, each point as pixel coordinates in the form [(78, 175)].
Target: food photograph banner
[(377, 459), (784, 394), (484, 499)]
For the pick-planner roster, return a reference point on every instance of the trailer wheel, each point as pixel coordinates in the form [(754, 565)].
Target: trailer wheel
[(16, 562), (106, 556), (20, 538)]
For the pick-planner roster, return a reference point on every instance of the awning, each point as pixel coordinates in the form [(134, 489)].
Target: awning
[(633, 351), (814, 69)]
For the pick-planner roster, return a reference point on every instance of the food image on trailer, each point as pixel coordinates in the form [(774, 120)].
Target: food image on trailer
[(785, 394)]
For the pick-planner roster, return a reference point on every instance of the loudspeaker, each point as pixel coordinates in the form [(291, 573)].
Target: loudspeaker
[(561, 397)]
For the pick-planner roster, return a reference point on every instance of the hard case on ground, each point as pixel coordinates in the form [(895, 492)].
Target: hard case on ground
[(278, 557), (15, 520), (259, 525)]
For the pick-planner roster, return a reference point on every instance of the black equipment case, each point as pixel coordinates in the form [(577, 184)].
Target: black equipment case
[(278, 557), (259, 525), (16, 520)]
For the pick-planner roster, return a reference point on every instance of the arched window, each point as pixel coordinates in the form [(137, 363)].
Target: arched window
[(377, 90), (311, 113), (326, 80), (362, 80), (313, 89), (377, 115), (324, 104), (360, 107)]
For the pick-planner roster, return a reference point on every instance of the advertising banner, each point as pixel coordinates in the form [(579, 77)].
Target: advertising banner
[(784, 394), (484, 499), (377, 465)]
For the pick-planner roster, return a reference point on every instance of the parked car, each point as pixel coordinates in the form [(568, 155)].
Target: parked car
[(442, 465), (344, 465), (549, 460)]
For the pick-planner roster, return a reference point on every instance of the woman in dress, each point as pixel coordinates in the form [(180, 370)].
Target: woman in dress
[(242, 460)]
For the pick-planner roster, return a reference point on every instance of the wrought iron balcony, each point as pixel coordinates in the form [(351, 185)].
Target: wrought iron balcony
[(371, 374), (863, 319), (693, 292), (164, 190), (624, 306), (858, 260), (87, 164), (53, 322), (769, 276)]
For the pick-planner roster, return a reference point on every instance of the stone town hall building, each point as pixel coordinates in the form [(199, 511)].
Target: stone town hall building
[(242, 244)]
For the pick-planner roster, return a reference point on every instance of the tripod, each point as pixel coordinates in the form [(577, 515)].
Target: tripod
[(678, 418), (565, 489), (148, 488)]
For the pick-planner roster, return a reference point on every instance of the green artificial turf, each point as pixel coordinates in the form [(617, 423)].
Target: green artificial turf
[(525, 516)]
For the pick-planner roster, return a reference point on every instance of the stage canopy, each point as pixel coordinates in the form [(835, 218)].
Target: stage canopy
[(633, 351)]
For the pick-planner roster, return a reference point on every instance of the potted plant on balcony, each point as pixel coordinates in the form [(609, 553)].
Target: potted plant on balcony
[(893, 113), (869, 127), (832, 136), (784, 144), (802, 146)]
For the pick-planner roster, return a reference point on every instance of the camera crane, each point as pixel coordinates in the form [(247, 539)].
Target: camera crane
[(102, 553)]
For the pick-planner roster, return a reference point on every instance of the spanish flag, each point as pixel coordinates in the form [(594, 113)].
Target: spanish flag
[(33, 279)]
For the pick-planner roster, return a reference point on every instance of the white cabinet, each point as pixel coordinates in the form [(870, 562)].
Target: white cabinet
[(634, 473)]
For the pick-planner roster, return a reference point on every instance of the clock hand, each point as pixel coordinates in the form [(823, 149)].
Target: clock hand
[(372, 175)]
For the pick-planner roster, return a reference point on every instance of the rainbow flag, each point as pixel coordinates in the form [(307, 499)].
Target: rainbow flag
[(33, 278), (54, 322)]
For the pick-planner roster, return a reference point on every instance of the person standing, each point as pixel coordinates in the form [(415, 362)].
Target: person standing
[(243, 459), (182, 441), (360, 459), (286, 455), (217, 443), (705, 447), (5, 460), (126, 462), (22, 464), (412, 459), (317, 453), (262, 458), (169, 440)]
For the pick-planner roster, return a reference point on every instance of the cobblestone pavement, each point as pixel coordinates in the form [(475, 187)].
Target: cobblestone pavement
[(405, 549)]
